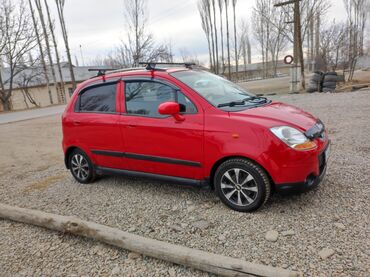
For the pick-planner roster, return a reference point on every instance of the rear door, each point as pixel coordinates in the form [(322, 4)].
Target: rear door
[(159, 144), (96, 123)]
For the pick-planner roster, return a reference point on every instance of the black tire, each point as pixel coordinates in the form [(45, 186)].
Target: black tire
[(81, 167), (318, 72), (329, 84), (330, 78), (311, 90), (316, 78), (252, 185), (331, 73), (328, 89)]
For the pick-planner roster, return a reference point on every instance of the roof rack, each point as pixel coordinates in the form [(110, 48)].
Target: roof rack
[(126, 69), (101, 71), (152, 65), (147, 66)]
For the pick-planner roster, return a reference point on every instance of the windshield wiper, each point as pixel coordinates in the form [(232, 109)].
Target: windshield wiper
[(242, 102), (232, 104), (252, 98)]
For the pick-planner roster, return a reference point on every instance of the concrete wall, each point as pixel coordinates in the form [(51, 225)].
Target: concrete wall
[(39, 94)]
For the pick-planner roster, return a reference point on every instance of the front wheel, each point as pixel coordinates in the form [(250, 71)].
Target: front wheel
[(81, 167), (242, 185)]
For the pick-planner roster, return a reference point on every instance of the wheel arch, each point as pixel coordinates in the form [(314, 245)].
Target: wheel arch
[(68, 153), (224, 159)]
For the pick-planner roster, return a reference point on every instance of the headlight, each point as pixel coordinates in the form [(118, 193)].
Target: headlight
[(293, 138)]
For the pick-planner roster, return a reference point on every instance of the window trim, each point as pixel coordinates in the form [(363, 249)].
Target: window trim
[(77, 107), (151, 80)]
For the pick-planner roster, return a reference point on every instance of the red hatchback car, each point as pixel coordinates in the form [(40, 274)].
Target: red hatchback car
[(190, 126)]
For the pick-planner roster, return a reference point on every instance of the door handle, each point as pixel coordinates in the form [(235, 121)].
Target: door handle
[(131, 125), (76, 123)]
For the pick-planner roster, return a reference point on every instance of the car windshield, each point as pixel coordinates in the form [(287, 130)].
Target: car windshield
[(217, 90)]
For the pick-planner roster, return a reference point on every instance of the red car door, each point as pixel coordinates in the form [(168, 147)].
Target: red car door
[(94, 124), (159, 144)]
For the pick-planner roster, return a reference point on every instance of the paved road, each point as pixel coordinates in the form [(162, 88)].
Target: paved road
[(30, 114)]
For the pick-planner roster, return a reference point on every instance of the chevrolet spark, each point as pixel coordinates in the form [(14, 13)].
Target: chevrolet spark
[(183, 125)]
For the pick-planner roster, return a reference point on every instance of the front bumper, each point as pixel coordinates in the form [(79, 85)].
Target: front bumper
[(311, 181)]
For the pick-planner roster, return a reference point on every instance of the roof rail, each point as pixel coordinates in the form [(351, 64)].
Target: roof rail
[(152, 65)]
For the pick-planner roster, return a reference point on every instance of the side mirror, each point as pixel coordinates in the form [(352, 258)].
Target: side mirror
[(171, 108)]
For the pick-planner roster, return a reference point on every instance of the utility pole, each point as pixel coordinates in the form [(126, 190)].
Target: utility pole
[(297, 46)]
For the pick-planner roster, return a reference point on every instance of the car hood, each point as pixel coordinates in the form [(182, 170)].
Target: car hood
[(278, 114)]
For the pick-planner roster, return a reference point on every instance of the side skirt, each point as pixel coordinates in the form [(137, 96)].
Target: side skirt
[(164, 178)]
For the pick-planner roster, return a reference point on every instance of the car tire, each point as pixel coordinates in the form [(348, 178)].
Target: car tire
[(330, 78), (329, 85), (332, 73), (316, 78), (81, 167), (245, 193), (326, 89)]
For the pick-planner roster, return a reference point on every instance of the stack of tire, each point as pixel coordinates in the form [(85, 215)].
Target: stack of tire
[(329, 83), (315, 82)]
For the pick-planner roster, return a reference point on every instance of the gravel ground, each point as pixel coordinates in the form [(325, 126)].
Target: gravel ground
[(322, 233)]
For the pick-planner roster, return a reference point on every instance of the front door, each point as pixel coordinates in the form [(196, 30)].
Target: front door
[(159, 144)]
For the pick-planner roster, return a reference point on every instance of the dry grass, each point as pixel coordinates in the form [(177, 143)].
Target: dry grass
[(44, 183)]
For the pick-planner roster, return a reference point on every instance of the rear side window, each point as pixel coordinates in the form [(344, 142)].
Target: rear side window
[(99, 99), (143, 98)]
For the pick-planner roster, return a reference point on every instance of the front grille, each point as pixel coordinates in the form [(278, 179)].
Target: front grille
[(322, 162)]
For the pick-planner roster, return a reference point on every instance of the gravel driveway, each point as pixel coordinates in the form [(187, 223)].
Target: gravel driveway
[(325, 231)]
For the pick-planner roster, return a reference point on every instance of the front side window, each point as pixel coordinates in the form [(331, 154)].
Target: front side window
[(143, 98), (186, 106), (100, 99)]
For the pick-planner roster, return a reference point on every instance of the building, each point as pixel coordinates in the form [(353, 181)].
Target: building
[(30, 88)]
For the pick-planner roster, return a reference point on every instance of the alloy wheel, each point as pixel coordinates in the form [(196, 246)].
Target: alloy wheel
[(80, 167), (239, 187)]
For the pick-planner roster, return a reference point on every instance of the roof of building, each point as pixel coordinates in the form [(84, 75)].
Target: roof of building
[(34, 76)]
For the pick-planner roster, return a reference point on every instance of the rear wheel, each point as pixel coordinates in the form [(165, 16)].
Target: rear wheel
[(242, 185), (81, 167)]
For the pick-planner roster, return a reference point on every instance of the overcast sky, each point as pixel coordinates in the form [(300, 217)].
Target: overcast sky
[(98, 26)]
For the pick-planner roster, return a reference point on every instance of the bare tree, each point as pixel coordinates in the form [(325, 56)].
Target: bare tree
[(207, 8), (141, 45), (41, 51), (227, 2), (244, 44), (220, 8), (28, 78), (206, 26), (56, 51), (332, 46), (235, 38), (216, 36), (277, 39), (60, 7), (189, 57), (357, 12), (261, 22), (270, 32), (60, 96), (17, 39)]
